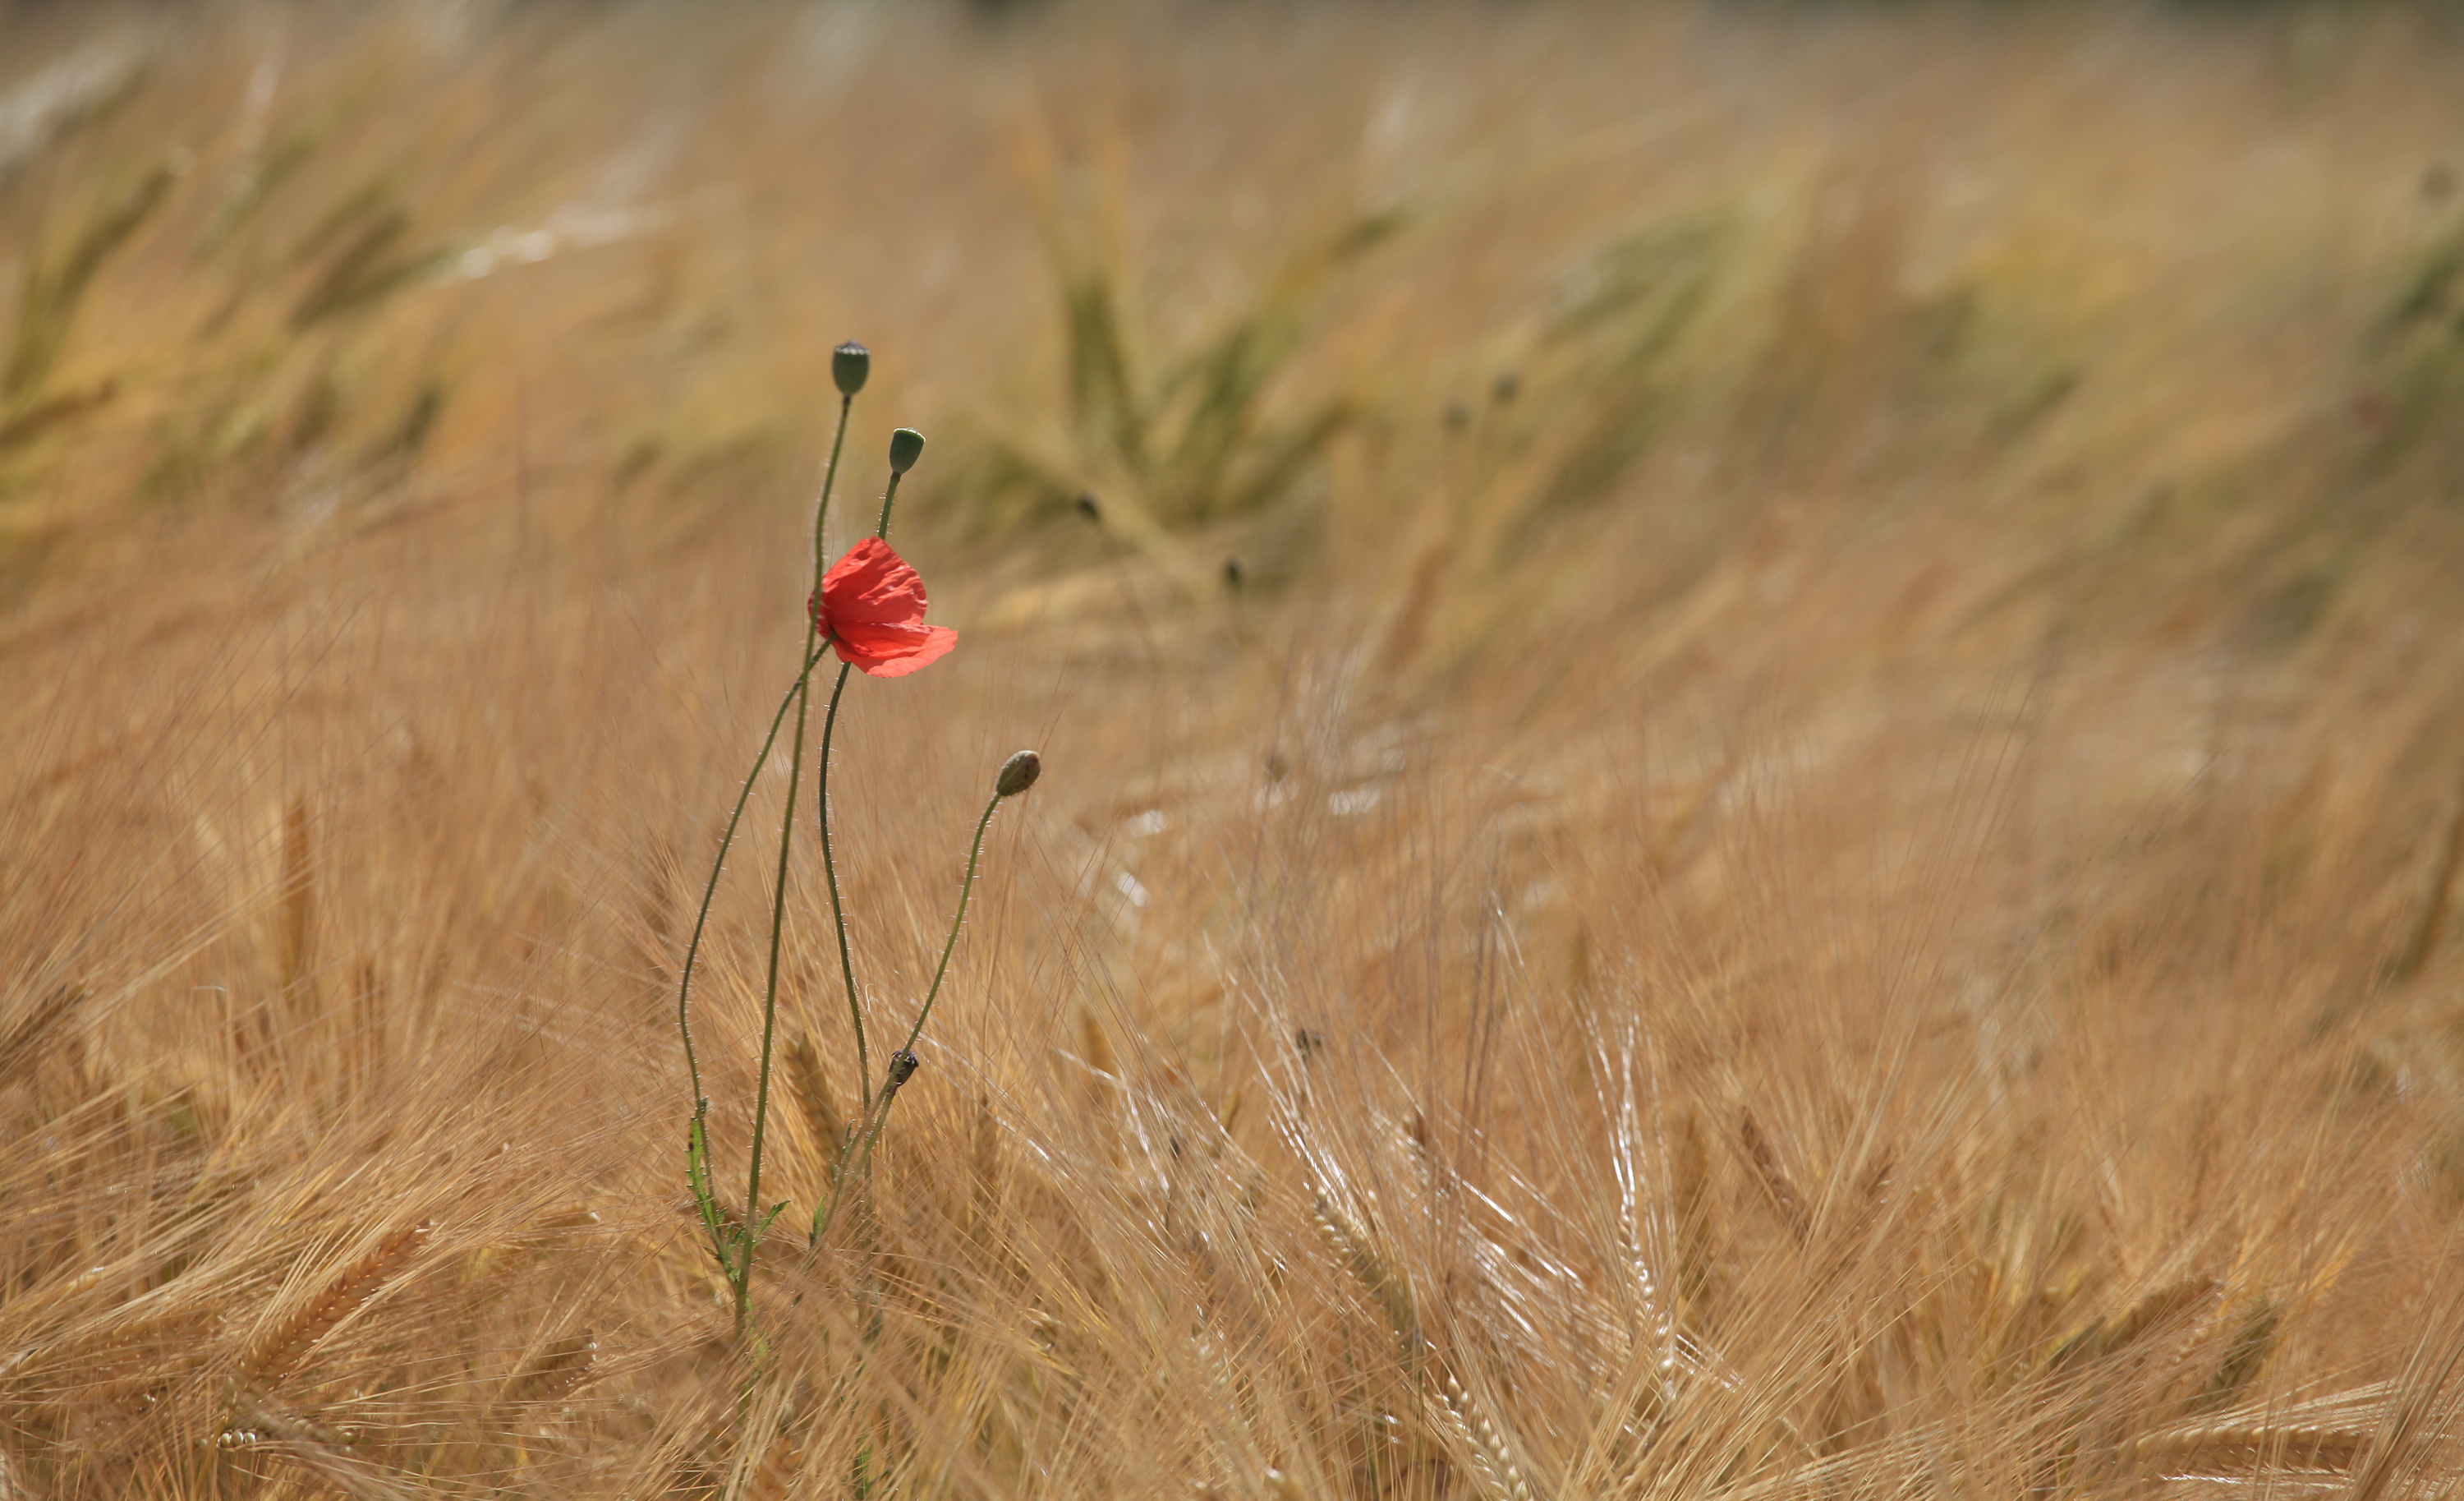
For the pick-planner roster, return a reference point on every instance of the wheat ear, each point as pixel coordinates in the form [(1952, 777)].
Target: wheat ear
[(823, 1117), (275, 1356), (556, 1371), (1501, 1478), (779, 1466), (322, 1453), (1774, 1178), (2243, 1447)]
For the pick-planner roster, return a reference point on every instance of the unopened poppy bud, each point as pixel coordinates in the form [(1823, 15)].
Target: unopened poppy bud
[(1019, 773), (849, 363), (905, 447)]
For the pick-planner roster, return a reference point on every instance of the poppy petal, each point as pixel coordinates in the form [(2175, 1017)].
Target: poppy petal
[(893, 650), (872, 585)]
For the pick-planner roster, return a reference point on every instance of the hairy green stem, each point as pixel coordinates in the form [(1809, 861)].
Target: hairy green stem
[(888, 495), (822, 816), (709, 893), (821, 513), (753, 1221), (902, 1063), (838, 912)]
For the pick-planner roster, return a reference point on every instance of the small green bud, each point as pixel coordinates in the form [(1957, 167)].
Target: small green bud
[(1019, 773), (905, 447), (849, 363)]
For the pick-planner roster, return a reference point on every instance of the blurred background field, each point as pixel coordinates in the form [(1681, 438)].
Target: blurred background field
[(1751, 720)]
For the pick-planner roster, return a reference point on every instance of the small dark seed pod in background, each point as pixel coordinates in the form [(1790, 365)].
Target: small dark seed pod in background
[(1019, 773), (849, 363), (1087, 508), (905, 447)]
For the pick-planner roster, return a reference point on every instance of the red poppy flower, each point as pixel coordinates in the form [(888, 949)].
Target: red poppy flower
[(871, 608)]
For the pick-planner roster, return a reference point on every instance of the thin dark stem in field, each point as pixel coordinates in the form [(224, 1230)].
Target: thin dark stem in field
[(755, 1222), (822, 815), (902, 1063), (838, 912), (966, 888), (887, 498), (821, 513), (709, 893)]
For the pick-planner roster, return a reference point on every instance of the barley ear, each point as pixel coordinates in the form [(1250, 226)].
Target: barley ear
[(556, 1371), (282, 1348), (823, 1120)]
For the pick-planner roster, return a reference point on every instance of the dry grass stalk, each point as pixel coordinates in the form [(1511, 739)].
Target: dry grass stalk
[(313, 1448), (556, 1371), (2243, 1449), (2164, 1308), (281, 1347), (1386, 1287), (775, 1476), (1774, 1178), (825, 1123), (1502, 1479), (21, 1044), (298, 907)]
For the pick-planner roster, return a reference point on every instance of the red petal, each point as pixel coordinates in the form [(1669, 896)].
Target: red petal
[(893, 650), (871, 586)]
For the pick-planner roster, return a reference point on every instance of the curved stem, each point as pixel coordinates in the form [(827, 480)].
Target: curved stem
[(838, 912), (888, 495), (966, 888), (902, 1063), (753, 1221), (830, 476), (709, 893)]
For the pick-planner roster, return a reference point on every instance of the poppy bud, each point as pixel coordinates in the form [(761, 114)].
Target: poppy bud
[(905, 447), (849, 363), (1019, 773)]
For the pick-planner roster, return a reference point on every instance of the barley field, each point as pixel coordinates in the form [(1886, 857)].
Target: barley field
[(1751, 720)]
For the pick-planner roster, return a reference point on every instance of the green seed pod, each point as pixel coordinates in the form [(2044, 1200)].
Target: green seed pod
[(905, 447), (849, 363), (1019, 773)]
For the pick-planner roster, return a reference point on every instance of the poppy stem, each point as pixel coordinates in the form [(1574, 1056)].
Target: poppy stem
[(821, 513), (966, 888), (838, 912), (887, 498), (822, 799), (755, 1221), (709, 892), (902, 1063)]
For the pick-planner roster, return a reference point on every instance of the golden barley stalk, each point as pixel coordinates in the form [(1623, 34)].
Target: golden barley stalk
[(319, 1452), (777, 1472), (556, 1371), (823, 1117), (282, 1348), (1774, 1178), (1381, 1281), (18, 1046), (1502, 1480), (2253, 1448)]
